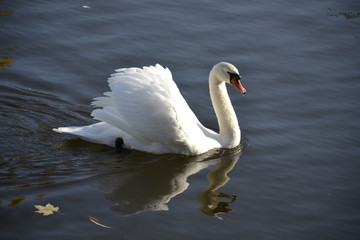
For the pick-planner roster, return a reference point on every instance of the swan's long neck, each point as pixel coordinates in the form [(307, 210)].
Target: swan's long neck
[(230, 134)]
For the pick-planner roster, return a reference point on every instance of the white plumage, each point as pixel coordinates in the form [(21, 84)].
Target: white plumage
[(146, 109)]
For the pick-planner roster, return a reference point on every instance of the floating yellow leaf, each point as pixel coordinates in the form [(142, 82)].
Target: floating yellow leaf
[(46, 210)]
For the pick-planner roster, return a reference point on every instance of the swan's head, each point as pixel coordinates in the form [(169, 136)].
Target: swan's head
[(226, 72)]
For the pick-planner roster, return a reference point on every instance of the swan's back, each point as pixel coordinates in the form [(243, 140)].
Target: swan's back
[(146, 106)]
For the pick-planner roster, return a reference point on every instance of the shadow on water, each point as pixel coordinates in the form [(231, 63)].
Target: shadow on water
[(146, 182)]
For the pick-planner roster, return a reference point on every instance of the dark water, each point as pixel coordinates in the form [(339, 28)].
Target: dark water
[(297, 176)]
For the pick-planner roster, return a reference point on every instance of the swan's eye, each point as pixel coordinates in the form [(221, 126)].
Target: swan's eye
[(234, 75)]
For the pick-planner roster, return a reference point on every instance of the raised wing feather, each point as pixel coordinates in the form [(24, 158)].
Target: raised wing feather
[(146, 104)]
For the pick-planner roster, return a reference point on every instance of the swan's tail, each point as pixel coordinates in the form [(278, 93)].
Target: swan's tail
[(101, 132)]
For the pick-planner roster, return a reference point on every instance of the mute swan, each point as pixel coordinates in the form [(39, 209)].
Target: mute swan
[(145, 111)]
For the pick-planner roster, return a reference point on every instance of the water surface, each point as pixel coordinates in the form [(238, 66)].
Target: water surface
[(296, 176)]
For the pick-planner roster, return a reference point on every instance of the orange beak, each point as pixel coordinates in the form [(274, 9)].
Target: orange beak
[(236, 83)]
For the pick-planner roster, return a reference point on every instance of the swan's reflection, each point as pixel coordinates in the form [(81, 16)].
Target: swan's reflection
[(211, 202), (139, 186)]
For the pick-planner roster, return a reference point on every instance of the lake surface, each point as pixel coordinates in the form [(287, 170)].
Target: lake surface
[(295, 177)]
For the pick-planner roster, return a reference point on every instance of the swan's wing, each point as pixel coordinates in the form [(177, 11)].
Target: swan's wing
[(146, 104)]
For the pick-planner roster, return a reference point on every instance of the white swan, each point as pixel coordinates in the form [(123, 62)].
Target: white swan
[(147, 111)]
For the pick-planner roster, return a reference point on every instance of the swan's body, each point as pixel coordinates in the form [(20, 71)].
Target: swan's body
[(146, 109)]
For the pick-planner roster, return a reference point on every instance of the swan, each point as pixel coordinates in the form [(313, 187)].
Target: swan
[(145, 111)]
